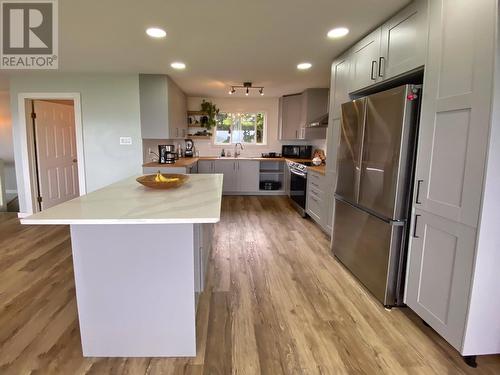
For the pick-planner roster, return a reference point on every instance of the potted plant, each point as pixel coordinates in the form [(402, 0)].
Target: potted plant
[(211, 112)]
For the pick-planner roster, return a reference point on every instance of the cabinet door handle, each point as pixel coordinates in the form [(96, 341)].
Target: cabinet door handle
[(380, 60), (417, 195), (372, 75), (415, 226), (296, 134)]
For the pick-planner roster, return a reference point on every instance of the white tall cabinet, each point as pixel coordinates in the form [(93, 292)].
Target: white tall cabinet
[(454, 138)]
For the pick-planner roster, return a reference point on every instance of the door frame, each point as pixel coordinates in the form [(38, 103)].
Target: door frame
[(27, 137)]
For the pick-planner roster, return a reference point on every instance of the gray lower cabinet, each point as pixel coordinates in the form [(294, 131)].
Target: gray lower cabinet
[(318, 200), (206, 166), (228, 169), (203, 235), (440, 273), (150, 170), (247, 172), (240, 176)]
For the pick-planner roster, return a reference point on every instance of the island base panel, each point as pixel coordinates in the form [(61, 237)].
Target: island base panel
[(135, 289)]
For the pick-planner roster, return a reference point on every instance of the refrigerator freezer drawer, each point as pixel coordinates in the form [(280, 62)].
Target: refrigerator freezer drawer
[(370, 248)]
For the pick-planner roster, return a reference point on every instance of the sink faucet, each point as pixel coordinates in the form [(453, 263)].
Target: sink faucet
[(236, 152)]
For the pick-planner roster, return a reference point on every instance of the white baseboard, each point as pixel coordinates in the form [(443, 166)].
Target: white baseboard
[(22, 215)]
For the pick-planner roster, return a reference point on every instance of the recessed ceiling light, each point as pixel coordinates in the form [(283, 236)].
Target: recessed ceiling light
[(304, 66), (178, 65), (338, 32), (156, 32)]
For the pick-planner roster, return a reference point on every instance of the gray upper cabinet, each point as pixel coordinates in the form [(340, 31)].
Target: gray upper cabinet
[(163, 107), (290, 116), (298, 110), (314, 104), (339, 85), (404, 41), (396, 47), (364, 59)]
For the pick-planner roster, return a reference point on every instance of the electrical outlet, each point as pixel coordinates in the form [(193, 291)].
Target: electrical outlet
[(125, 141)]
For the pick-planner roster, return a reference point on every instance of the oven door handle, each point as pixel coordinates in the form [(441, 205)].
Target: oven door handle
[(298, 173)]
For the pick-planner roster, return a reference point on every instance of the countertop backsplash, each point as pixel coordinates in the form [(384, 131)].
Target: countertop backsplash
[(207, 148)]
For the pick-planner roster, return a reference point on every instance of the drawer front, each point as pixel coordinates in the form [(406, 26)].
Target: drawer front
[(316, 180), (313, 190), (314, 206)]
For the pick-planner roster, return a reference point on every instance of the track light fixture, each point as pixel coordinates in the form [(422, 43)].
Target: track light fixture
[(247, 86)]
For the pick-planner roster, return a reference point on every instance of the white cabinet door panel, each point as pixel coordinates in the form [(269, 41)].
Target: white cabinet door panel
[(365, 56), (248, 176), (455, 116), (228, 169), (339, 86), (439, 274), (290, 115), (404, 41), (205, 166)]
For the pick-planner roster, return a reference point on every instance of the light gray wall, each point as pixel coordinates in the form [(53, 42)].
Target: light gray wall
[(110, 109), (6, 144)]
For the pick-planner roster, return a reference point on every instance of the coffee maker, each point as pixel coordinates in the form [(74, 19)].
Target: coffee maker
[(166, 154), (189, 151)]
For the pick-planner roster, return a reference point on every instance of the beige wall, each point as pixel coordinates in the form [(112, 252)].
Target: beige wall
[(6, 143), (207, 148)]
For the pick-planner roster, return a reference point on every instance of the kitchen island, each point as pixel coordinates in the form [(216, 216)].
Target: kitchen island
[(139, 259)]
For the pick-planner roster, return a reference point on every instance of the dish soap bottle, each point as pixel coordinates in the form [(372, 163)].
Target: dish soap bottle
[(223, 153)]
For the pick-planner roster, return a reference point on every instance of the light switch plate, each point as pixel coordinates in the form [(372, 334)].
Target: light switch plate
[(125, 140)]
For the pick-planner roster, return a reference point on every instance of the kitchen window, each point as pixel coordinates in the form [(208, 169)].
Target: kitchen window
[(246, 128)]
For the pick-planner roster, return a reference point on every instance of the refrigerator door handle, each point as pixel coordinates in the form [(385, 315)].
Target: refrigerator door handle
[(415, 226), (417, 195)]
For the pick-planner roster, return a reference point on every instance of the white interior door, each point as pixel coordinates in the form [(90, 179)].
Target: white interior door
[(56, 152)]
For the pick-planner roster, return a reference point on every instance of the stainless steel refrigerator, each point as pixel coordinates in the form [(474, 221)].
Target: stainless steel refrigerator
[(373, 191)]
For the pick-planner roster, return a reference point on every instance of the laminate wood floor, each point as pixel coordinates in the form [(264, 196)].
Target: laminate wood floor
[(277, 302)]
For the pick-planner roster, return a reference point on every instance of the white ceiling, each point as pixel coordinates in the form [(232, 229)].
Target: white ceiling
[(223, 42)]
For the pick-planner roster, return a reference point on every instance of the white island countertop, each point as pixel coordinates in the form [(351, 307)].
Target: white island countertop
[(128, 202)]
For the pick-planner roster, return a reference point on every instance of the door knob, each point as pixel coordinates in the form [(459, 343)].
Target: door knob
[(74, 160)]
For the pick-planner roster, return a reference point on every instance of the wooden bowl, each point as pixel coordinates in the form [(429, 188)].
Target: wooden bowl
[(149, 180)]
